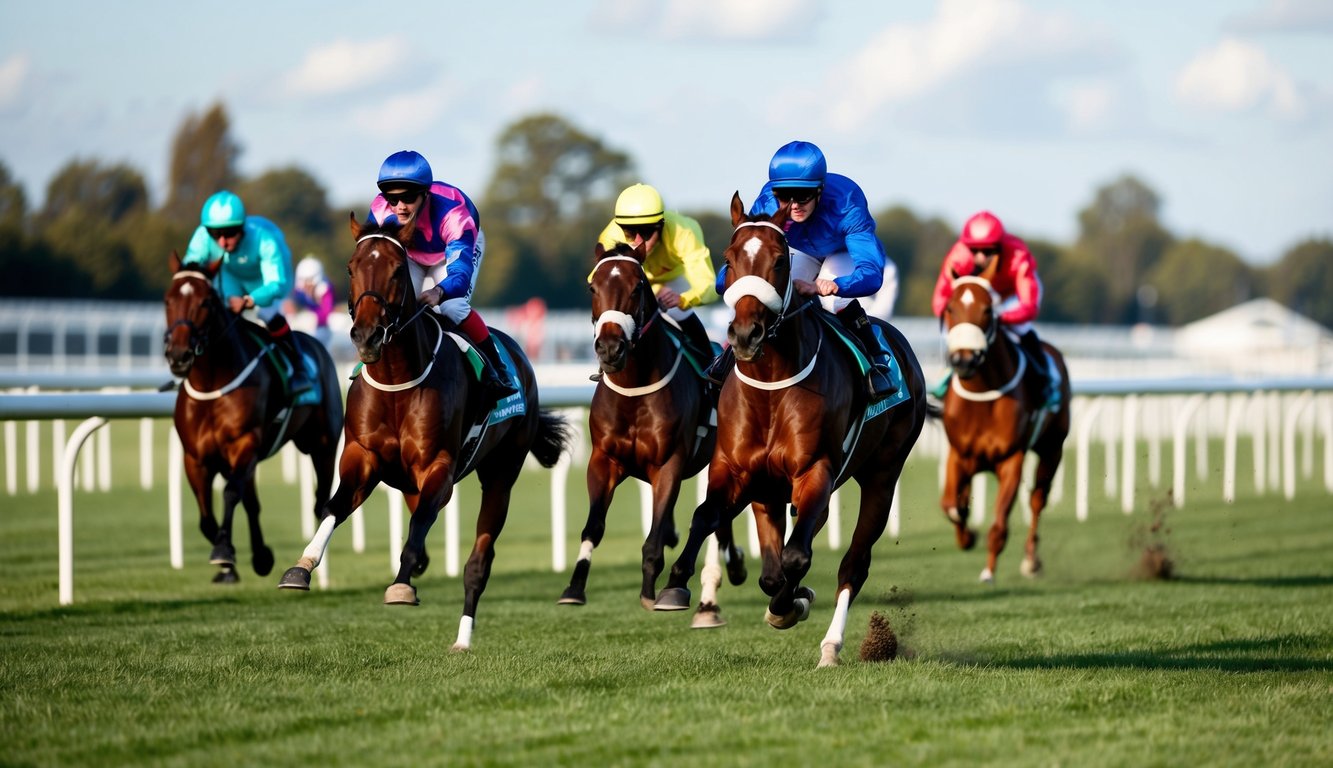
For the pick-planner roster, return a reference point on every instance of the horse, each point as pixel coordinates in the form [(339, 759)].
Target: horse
[(650, 419), (793, 425), (993, 414), (419, 420), (233, 411)]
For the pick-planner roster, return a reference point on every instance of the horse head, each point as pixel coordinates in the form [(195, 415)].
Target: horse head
[(380, 296), (194, 314), (971, 320), (758, 283), (623, 304)]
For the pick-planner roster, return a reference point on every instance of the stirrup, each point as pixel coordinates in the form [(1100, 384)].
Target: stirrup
[(877, 394)]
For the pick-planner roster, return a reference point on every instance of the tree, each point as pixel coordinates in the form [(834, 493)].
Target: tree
[(1195, 279), (13, 202), (917, 247), (553, 190), (294, 200), (106, 193), (203, 160), (1120, 230), (1303, 280)]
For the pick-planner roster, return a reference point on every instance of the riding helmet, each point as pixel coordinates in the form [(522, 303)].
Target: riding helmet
[(222, 209), (798, 164), (405, 168), (639, 204), (983, 230)]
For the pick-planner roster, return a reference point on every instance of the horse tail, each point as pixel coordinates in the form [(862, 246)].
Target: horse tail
[(553, 437)]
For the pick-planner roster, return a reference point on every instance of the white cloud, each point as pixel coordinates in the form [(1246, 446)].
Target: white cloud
[(711, 20), (346, 65), (1236, 76), (419, 108), (908, 60), (1090, 106), (13, 79)]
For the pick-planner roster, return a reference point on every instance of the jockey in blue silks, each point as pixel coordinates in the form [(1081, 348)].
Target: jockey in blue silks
[(835, 253), (256, 271)]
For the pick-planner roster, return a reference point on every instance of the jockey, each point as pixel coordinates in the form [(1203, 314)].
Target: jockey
[(256, 273), (983, 238), (835, 253), (314, 293), (676, 262), (447, 246)]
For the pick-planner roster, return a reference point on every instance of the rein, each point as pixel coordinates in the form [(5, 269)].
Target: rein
[(971, 337), (202, 341), (365, 370), (634, 332), (395, 327)]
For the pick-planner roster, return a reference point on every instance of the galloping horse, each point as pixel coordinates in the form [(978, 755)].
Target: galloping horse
[(793, 425), (232, 410), (993, 414), (418, 419), (650, 419)]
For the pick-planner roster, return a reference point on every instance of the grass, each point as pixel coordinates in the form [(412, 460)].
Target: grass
[(1230, 663)]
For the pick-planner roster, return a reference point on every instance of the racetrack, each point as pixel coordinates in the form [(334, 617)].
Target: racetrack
[(1231, 663)]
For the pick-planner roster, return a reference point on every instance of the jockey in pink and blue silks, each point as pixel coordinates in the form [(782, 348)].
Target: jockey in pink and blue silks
[(835, 253), (256, 272), (446, 249)]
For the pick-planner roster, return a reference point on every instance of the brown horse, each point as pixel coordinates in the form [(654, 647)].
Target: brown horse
[(793, 425), (993, 414), (419, 420), (650, 420), (232, 410)]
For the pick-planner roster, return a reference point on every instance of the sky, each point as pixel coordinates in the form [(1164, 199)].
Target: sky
[(1021, 107)]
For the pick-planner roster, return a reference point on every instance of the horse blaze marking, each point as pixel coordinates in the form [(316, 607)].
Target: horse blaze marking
[(187, 290), (615, 271), (752, 246), (966, 299)]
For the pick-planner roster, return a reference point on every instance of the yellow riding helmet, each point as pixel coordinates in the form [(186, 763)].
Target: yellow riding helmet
[(639, 204)]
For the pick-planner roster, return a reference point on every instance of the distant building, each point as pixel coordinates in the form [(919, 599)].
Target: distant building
[(1259, 337)]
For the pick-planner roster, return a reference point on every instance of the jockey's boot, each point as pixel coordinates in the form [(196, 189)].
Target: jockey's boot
[(1037, 355), (493, 381), (854, 319), (282, 334), (716, 373)]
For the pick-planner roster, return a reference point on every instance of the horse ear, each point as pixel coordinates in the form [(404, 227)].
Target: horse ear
[(405, 232), (356, 226), (737, 209), (598, 251), (781, 216), (953, 274), (174, 262), (988, 271)]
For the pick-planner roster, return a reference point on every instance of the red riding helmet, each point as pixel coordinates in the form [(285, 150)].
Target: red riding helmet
[(983, 230)]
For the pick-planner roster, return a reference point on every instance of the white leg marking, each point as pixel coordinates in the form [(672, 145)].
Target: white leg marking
[(832, 642), (317, 546), (585, 550), (711, 577), (464, 641)]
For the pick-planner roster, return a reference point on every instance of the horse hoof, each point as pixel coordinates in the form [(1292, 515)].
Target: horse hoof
[(828, 655), (460, 648), (736, 573), (672, 599), (263, 562), (1030, 567), (967, 539), (222, 555), (805, 593), (401, 594), (786, 621), (226, 576), (572, 596), (707, 617), (987, 577), (648, 603), (295, 578)]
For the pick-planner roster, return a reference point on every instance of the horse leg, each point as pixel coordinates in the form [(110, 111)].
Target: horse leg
[(497, 483), (665, 483), (675, 596), (200, 478), (604, 476), (854, 570), (810, 500), (957, 497), (733, 556), (1048, 460), (359, 474), (261, 554), (1008, 473), (238, 490), (424, 508)]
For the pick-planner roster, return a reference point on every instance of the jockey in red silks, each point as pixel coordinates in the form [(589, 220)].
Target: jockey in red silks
[(447, 246), (983, 238)]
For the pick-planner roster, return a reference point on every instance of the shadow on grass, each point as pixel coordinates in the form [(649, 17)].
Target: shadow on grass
[(1281, 653), (1264, 581)]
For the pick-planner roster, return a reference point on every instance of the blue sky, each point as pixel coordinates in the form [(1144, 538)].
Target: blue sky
[(1024, 107)]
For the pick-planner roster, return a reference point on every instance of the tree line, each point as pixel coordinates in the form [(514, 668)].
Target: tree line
[(553, 189)]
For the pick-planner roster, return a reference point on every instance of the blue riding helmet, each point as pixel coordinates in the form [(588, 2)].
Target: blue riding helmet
[(798, 164), (405, 168), (222, 209)]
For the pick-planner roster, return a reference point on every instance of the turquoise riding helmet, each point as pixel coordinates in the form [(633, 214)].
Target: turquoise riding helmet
[(222, 209)]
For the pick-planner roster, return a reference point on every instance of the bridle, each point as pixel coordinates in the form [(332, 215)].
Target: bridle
[(974, 338), (763, 290), (633, 326), (394, 326), (199, 339)]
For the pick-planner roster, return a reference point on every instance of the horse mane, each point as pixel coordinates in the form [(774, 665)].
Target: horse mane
[(391, 227)]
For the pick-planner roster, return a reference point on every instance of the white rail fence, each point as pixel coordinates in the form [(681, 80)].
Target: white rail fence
[(1277, 415)]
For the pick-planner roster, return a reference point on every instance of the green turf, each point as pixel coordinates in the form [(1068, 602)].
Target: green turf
[(1231, 663)]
